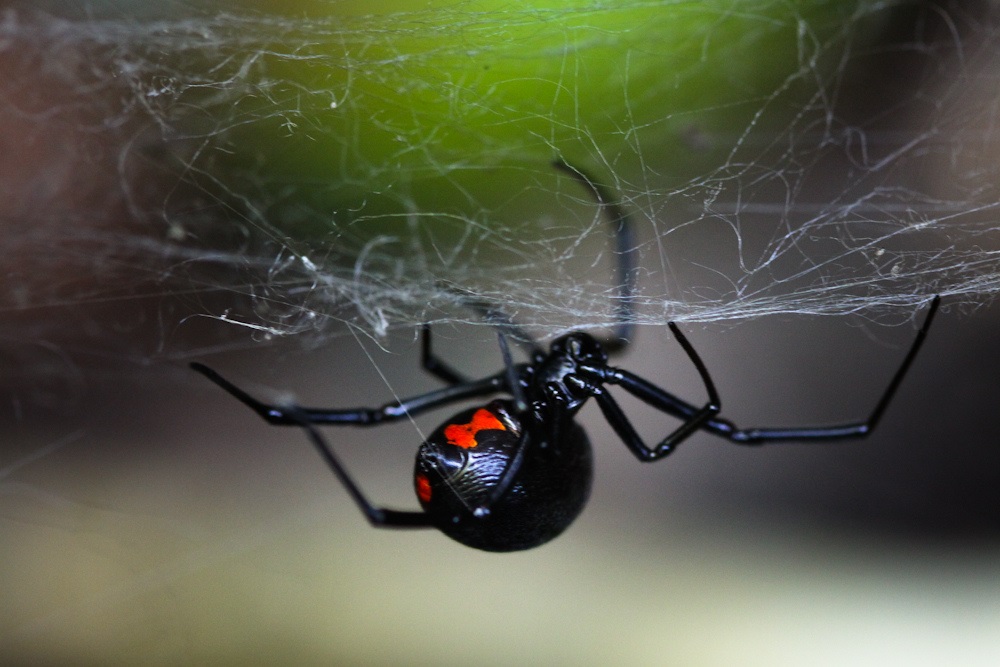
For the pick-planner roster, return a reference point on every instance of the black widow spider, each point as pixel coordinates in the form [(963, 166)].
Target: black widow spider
[(513, 473)]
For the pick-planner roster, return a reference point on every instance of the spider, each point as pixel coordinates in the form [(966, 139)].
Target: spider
[(513, 473)]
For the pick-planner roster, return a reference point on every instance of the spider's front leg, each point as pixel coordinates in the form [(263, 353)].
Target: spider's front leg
[(292, 415)]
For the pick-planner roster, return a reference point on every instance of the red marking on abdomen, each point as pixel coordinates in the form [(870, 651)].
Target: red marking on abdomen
[(464, 435), (423, 488)]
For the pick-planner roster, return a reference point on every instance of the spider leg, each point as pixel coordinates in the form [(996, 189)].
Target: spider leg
[(666, 402), (292, 415), (663, 400), (377, 516), (625, 250), (850, 430), (694, 418), (511, 373), (304, 418), (497, 319), (433, 365), (443, 371)]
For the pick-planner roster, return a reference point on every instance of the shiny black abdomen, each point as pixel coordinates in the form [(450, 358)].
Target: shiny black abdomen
[(496, 480)]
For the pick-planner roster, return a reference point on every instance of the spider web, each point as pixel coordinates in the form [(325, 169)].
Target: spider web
[(290, 173), (324, 169)]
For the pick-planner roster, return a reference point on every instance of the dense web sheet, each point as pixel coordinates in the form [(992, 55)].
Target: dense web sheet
[(850, 184)]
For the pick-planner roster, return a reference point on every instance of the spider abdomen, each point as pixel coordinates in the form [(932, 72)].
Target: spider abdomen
[(491, 479)]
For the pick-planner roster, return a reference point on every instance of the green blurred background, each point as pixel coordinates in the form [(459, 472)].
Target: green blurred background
[(145, 517)]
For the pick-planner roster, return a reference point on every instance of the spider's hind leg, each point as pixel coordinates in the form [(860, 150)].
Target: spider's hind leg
[(625, 251)]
